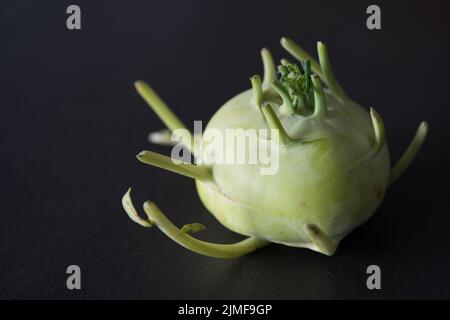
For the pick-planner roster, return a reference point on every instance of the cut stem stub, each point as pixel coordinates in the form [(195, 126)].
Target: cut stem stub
[(323, 243)]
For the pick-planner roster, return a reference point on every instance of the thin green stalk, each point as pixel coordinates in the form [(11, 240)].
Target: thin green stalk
[(320, 107), (328, 75), (159, 106), (162, 110), (274, 123), (410, 153), (300, 54), (257, 90), (197, 172), (270, 72), (279, 88)]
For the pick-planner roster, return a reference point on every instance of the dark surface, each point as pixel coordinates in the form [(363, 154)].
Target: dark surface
[(71, 124)]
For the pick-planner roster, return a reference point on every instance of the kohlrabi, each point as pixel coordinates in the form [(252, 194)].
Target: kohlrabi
[(333, 167)]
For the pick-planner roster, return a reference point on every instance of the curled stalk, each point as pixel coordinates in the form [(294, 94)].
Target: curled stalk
[(274, 123), (129, 208), (410, 152), (158, 219)]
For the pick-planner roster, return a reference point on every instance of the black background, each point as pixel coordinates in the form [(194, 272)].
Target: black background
[(71, 124)]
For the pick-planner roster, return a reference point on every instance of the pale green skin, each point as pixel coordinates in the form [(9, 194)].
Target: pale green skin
[(333, 164), (330, 175)]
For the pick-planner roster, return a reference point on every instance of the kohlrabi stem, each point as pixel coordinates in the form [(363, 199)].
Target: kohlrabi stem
[(257, 90), (274, 123), (378, 128), (157, 218), (320, 107), (197, 172), (158, 106), (320, 239), (410, 153), (300, 54), (328, 72), (287, 103), (270, 72), (322, 69), (163, 111)]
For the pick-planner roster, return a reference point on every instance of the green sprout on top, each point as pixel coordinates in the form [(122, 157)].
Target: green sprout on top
[(298, 84), (295, 86)]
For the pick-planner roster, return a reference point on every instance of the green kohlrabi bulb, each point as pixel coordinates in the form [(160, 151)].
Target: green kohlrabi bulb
[(333, 161)]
